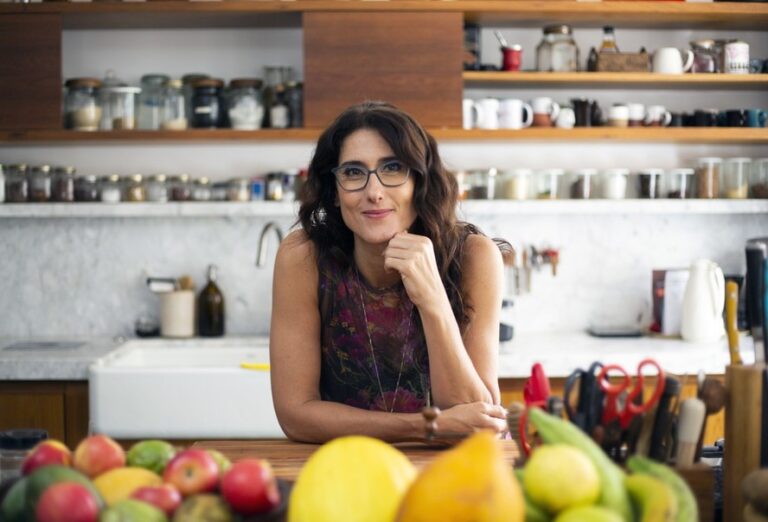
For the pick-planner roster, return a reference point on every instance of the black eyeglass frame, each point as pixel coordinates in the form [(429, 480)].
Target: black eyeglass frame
[(368, 171)]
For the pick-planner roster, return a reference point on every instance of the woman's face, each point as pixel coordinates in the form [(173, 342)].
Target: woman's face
[(376, 213)]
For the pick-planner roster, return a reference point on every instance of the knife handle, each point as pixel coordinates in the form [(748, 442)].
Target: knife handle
[(731, 311), (690, 424)]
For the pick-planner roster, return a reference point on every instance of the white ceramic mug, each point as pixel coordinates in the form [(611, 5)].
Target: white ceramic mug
[(636, 114), (566, 119), (515, 114), (736, 57), (618, 116), (486, 113), (545, 112), (668, 60), (657, 116)]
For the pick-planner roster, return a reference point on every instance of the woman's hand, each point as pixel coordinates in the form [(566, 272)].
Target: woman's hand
[(413, 256), (471, 417)]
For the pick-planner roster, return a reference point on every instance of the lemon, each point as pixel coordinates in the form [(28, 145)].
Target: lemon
[(150, 454), (558, 477)]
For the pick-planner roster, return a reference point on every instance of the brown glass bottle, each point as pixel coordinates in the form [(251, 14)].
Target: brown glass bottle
[(210, 308)]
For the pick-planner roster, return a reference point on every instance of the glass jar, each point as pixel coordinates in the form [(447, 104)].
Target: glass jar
[(201, 190), (650, 183), (704, 56), (680, 183), (463, 184), (111, 189), (151, 100), (294, 97), (87, 188), (548, 183), (81, 104), (2, 183), (482, 184), (117, 104), (219, 191), (515, 184), (16, 187), (273, 186), (39, 183), (181, 188), (14, 446), (615, 183), (136, 191), (63, 184), (708, 178), (759, 179), (557, 51), (736, 178), (289, 184), (245, 106), (581, 181), (275, 76), (174, 115), (157, 190), (239, 189), (206, 104)]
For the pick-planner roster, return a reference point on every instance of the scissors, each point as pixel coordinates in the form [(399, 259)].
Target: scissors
[(587, 410)]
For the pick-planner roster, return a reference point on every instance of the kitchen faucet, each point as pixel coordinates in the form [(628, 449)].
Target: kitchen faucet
[(261, 254)]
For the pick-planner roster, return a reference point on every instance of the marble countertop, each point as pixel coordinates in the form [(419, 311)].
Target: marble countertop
[(559, 353)]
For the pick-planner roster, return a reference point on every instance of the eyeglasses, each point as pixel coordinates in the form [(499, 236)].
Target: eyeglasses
[(355, 177)]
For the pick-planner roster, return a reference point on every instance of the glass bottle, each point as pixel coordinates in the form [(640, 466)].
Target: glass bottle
[(151, 100), (111, 190), (592, 60), (63, 184), (174, 115), (557, 51), (609, 41), (244, 104), (87, 189), (210, 307), (81, 104)]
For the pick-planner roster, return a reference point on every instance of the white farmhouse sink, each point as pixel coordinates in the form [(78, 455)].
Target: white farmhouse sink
[(183, 389)]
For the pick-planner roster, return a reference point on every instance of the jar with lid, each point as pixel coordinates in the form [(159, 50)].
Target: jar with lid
[(736, 177), (557, 51), (274, 76), (548, 183), (239, 189), (294, 97), (581, 183), (680, 183), (482, 183), (515, 184), (181, 188), (16, 187), (39, 182), (201, 189), (615, 183), (117, 104), (151, 100), (87, 188), (704, 56), (188, 90), (279, 115), (136, 191), (289, 184), (708, 178), (111, 189), (63, 184), (157, 190), (206, 104), (463, 184), (81, 104), (759, 179), (219, 191), (14, 446), (244, 104), (174, 115), (650, 183), (273, 190)]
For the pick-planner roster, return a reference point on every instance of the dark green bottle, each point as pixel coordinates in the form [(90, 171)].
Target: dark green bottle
[(210, 308)]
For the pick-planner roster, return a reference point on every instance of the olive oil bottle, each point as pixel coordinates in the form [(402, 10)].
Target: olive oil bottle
[(210, 308)]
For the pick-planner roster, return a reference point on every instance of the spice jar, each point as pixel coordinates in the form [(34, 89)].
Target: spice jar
[(39, 183), (759, 179), (81, 105), (117, 103), (650, 183), (181, 189), (188, 90), (63, 184), (482, 184), (615, 183), (157, 190), (136, 191), (244, 104), (151, 100), (16, 183), (736, 178), (87, 189), (274, 186), (174, 115), (680, 183), (239, 189), (201, 190), (289, 184), (548, 183), (111, 189), (206, 103), (581, 181), (708, 178), (557, 51), (515, 184), (219, 191), (14, 446)]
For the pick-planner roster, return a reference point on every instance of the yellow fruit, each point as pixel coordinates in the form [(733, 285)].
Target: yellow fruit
[(589, 514), (558, 477), (118, 484), (469, 483), (352, 479)]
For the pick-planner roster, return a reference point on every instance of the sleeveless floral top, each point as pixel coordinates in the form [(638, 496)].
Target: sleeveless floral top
[(348, 369)]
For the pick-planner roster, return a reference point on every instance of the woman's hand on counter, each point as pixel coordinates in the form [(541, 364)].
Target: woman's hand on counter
[(471, 417)]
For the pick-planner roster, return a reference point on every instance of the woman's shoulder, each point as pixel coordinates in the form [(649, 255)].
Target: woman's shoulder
[(297, 250), (479, 251)]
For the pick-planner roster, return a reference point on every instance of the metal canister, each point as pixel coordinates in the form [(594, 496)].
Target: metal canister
[(736, 57)]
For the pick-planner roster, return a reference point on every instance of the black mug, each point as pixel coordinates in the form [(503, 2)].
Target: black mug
[(705, 118), (675, 120), (733, 118), (587, 112)]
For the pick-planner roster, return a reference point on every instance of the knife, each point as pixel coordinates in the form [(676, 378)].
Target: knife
[(690, 424), (731, 311), (661, 444)]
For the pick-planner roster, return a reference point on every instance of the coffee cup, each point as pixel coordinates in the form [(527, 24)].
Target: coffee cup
[(657, 116), (618, 116), (545, 112), (587, 112), (756, 118), (636, 114), (566, 119), (676, 119), (668, 60), (705, 118), (485, 113), (733, 118), (515, 114)]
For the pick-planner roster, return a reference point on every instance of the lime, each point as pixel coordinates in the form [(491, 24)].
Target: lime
[(221, 461), (558, 477), (588, 514), (150, 454)]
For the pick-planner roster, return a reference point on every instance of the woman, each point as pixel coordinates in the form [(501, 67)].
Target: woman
[(382, 302)]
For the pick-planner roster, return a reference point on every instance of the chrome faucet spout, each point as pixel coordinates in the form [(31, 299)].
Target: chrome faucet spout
[(261, 255)]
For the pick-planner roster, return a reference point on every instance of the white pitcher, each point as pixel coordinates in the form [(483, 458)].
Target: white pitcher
[(703, 302)]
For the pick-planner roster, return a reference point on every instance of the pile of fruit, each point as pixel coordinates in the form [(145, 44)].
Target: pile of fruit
[(152, 482)]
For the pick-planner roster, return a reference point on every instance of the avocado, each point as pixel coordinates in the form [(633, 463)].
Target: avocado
[(46, 476), (12, 508)]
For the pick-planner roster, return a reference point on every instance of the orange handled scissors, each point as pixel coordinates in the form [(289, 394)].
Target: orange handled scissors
[(633, 403)]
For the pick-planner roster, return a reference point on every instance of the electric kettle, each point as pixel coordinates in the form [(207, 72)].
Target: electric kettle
[(703, 303)]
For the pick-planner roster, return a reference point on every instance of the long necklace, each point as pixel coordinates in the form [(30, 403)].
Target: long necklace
[(373, 353)]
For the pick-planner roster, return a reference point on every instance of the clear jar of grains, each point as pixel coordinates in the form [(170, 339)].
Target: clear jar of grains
[(63, 184), (16, 187), (111, 189), (39, 181), (557, 51), (81, 104)]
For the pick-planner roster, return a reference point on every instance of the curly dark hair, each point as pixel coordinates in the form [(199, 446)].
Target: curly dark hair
[(435, 193)]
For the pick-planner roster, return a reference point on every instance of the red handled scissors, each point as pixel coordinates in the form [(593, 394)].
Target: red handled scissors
[(634, 403)]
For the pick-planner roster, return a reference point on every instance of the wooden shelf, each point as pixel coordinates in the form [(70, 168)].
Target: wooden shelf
[(610, 80), (656, 14), (138, 136)]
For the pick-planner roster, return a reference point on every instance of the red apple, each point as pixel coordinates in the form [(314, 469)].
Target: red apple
[(250, 487), (46, 453), (97, 454), (192, 471), (67, 502), (166, 497)]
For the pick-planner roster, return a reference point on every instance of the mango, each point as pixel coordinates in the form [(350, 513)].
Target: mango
[(130, 510), (204, 507), (118, 484)]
